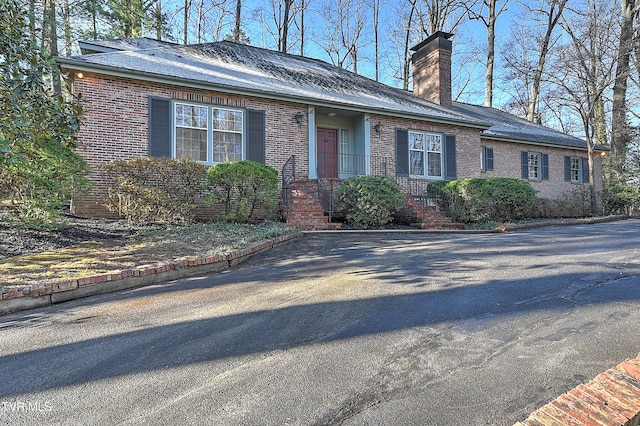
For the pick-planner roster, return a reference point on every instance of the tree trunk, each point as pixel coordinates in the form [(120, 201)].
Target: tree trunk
[(552, 21), (619, 124), (285, 26), (407, 58), (238, 19), (185, 22), (491, 43), (302, 9), (52, 42), (376, 14), (68, 36)]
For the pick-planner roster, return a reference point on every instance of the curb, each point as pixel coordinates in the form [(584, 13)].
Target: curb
[(19, 298), (498, 230), (611, 398)]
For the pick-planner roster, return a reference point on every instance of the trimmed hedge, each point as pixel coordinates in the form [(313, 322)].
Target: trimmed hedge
[(148, 190), (242, 189), (500, 199), (369, 201)]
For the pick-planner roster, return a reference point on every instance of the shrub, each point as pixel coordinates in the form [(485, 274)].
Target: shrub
[(499, 199), (155, 189), (242, 189), (621, 198), (41, 182), (369, 201)]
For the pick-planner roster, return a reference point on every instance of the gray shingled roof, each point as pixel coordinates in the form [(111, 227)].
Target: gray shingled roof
[(239, 68), (103, 46), (247, 69), (509, 127)]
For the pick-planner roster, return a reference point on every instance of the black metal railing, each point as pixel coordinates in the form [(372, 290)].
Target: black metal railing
[(331, 168), (334, 166), (288, 176), (444, 200)]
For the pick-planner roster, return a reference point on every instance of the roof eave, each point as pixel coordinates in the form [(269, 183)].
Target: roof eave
[(71, 64), (598, 148)]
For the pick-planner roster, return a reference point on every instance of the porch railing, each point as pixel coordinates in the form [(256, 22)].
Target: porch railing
[(288, 176), (333, 167)]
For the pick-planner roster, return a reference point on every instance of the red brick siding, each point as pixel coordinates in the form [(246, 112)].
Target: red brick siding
[(115, 126), (506, 155)]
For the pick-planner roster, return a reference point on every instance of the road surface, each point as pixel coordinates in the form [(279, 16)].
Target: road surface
[(381, 329)]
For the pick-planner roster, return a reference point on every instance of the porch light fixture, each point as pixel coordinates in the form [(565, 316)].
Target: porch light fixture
[(378, 127), (299, 116)]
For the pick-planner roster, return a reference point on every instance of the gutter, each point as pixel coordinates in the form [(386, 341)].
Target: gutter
[(597, 148)]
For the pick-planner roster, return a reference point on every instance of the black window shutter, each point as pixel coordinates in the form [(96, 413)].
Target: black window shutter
[(256, 136), (159, 127), (545, 166), (489, 157), (525, 164), (585, 170), (450, 157), (567, 168), (402, 152)]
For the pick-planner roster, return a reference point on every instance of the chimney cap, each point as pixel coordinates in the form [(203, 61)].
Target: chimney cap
[(437, 34)]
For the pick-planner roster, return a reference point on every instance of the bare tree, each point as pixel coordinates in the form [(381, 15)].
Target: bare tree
[(375, 8), (441, 15), (344, 20), (619, 121), (585, 70), (489, 19), (551, 15), (237, 21)]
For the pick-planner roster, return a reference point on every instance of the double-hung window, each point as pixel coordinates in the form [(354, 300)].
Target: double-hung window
[(208, 133), (191, 131), (425, 154), (576, 169), (535, 165)]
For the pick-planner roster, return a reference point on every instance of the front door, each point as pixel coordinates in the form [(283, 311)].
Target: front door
[(327, 143)]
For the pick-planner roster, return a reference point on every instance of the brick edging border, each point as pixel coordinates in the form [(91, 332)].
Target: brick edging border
[(611, 398), (18, 298)]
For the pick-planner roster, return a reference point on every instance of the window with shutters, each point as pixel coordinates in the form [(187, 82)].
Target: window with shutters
[(425, 154), (535, 165), (208, 133)]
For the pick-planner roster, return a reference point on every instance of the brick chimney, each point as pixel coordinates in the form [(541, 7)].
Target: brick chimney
[(432, 68)]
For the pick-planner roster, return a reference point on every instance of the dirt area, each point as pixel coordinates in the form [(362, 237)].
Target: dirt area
[(16, 242), (95, 246)]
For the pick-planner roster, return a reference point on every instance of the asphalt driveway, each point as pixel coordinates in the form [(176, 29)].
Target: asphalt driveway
[(340, 329)]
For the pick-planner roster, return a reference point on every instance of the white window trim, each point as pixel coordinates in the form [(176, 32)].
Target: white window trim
[(426, 155), (579, 180), (539, 166), (210, 129)]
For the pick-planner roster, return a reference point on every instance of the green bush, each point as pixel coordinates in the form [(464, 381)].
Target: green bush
[(369, 201), (41, 182), (621, 198), (242, 189), (148, 190), (500, 199)]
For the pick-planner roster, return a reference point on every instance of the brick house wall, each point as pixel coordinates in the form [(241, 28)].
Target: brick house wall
[(115, 127), (507, 156), (115, 124)]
